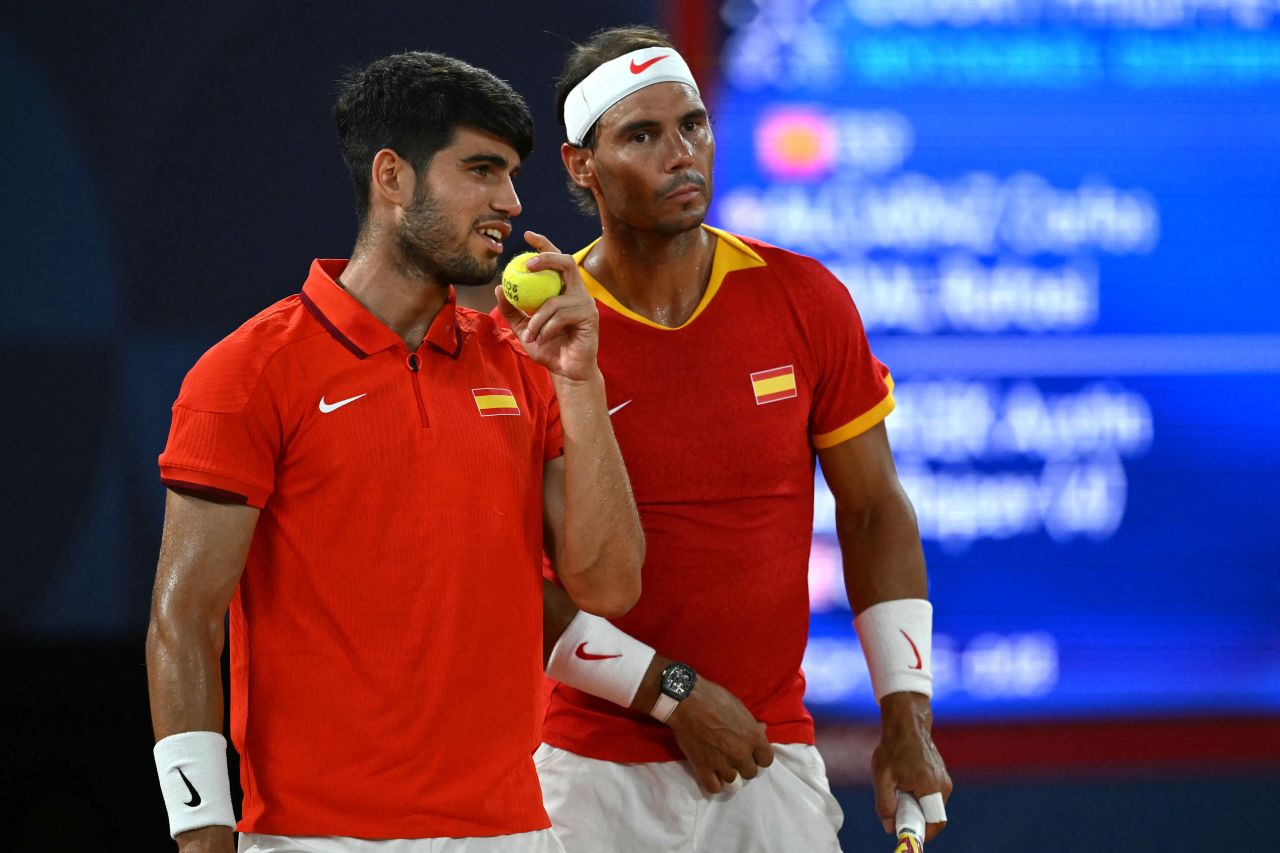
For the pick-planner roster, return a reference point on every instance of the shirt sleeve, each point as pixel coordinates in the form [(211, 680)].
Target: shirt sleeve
[(226, 433), (853, 390)]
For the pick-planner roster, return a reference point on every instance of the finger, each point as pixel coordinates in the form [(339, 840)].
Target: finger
[(746, 766), (565, 265), (763, 751), (935, 814), (734, 787), (708, 781), (727, 775), (547, 310), (558, 319), (539, 242), (886, 798), (510, 313), (933, 808)]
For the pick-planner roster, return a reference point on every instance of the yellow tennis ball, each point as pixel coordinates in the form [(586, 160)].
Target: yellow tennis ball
[(528, 290)]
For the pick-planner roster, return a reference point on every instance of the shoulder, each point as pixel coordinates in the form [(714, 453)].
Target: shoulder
[(785, 261), (804, 278), (489, 331), (224, 378), (492, 333)]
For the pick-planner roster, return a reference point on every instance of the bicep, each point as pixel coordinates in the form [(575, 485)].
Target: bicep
[(202, 554), (860, 472)]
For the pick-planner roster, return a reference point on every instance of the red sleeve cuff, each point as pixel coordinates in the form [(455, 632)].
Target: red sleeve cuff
[(213, 487)]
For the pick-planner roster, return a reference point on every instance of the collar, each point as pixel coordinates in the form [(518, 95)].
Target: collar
[(731, 255), (356, 328)]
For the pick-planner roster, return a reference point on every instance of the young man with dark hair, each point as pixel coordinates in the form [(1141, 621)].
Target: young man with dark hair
[(732, 366), (368, 475)]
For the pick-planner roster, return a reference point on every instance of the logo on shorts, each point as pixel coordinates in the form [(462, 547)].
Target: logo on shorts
[(581, 651)]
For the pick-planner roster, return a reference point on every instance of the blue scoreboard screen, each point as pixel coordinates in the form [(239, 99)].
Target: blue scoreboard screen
[(1059, 220)]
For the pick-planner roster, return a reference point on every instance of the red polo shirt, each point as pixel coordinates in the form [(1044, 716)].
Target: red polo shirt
[(719, 421), (386, 634)]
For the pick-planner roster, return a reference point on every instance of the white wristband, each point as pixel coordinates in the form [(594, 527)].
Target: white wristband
[(597, 658), (897, 640), (193, 779)]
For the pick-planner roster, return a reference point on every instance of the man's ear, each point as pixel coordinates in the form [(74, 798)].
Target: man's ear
[(580, 164), (391, 180)]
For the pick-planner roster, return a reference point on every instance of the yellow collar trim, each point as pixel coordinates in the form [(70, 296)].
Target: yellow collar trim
[(731, 255)]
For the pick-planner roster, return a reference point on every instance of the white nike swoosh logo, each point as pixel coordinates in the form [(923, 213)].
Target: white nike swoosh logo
[(329, 407), (615, 408)]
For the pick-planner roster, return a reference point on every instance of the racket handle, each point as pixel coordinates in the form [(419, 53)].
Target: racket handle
[(909, 824)]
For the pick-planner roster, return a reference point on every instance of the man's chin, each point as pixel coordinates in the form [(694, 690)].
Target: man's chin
[(475, 274), (686, 221)]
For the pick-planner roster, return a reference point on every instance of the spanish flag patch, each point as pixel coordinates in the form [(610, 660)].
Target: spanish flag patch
[(495, 401), (773, 385)]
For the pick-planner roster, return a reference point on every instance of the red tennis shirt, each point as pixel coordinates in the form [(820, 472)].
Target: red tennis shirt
[(386, 647), (718, 421)]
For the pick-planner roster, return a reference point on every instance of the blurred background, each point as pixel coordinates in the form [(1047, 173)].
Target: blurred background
[(1058, 218)]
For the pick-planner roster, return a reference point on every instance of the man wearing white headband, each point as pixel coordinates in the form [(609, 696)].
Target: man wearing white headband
[(731, 365)]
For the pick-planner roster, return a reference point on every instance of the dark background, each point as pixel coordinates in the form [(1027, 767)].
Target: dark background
[(169, 170)]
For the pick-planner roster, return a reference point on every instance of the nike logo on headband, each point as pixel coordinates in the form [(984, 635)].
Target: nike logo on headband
[(637, 69)]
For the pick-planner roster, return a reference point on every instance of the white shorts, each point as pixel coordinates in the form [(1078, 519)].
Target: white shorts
[(658, 807), (542, 841)]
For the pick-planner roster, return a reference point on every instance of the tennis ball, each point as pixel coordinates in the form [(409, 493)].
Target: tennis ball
[(528, 290)]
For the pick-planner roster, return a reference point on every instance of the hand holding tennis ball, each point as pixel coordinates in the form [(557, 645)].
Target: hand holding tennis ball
[(551, 313), (527, 290)]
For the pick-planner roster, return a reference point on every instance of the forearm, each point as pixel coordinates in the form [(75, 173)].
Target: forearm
[(883, 559), (884, 562), (184, 675), (558, 611), (602, 547)]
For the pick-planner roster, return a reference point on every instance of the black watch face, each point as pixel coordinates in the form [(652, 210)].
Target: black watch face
[(677, 681)]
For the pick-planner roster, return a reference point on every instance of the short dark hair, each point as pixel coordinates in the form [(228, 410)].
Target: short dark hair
[(414, 103), (603, 46)]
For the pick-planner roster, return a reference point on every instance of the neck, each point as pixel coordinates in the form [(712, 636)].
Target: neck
[(405, 301), (658, 276)]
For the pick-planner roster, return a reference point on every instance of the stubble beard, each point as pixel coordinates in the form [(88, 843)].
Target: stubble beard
[(686, 220), (427, 249)]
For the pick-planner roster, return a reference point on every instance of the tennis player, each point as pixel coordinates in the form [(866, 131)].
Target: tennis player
[(731, 366), (363, 473)]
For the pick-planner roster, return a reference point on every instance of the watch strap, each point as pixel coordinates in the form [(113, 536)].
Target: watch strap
[(663, 708)]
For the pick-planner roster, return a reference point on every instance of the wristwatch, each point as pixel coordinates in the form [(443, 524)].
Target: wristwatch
[(677, 683)]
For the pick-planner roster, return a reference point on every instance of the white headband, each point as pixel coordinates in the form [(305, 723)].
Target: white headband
[(615, 80)]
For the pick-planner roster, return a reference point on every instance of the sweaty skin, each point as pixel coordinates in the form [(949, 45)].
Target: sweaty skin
[(650, 173), (204, 544)]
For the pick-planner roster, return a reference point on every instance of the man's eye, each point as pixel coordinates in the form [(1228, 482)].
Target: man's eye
[(640, 137)]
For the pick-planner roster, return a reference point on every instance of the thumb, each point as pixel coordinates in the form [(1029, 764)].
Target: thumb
[(763, 751), (513, 315)]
